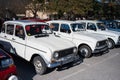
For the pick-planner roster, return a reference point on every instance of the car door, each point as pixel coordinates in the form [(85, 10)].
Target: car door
[(54, 28), (19, 41), (3, 33), (65, 32), (6, 34), (90, 27)]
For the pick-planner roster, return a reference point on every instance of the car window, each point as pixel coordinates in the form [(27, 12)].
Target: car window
[(101, 26), (3, 28), (19, 31), (77, 27), (35, 29), (118, 25), (91, 26), (10, 29), (55, 26), (65, 28)]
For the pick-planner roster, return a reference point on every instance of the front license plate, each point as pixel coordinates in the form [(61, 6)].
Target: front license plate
[(67, 60)]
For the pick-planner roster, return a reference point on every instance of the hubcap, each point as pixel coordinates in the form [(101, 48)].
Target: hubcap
[(13, 77), (84, 52), (38, 65), (109, 44)]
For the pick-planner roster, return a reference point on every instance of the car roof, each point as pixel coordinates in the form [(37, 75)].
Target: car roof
[(93, 21), (117, 20), (61, 21), (23, 22)]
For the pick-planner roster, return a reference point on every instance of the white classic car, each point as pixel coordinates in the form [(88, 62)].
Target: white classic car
[(32, 43), (98, 27), (87, 43)]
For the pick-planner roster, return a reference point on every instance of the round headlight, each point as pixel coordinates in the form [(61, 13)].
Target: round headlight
[(75, 50), (56, 55), (97, 44)]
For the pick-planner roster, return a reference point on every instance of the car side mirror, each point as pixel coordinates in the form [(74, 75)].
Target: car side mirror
[(69, 31), (95, 29), (22, 36)]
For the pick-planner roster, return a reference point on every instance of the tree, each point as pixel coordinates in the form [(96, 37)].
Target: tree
[(110, 8), (13, 7), (70, 6), (35, 6)]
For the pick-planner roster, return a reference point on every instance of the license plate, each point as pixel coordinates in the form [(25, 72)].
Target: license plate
[(68, 59)]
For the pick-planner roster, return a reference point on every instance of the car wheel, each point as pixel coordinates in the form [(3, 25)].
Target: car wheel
[(13, 77), (85, 51), (40, 65), (111, 44)]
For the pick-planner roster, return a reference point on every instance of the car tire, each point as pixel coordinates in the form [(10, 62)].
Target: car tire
[(111, 44), (85, 51), (13, 77), (40, 65)]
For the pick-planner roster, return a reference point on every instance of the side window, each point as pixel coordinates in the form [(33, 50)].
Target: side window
[(118, 25), (19, 31), (91, 26), (65, 28), (114, 25), (10, 29), (55, 26), (3, 28)]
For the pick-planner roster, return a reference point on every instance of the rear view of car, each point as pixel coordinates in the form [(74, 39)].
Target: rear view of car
[(7, 67)]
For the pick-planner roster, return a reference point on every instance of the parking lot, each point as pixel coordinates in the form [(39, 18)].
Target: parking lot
[(98, 67)]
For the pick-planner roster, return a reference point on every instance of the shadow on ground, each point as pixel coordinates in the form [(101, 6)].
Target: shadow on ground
[(25, 69)]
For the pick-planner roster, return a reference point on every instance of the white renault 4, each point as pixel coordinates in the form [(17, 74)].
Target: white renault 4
[(32, 43), (98, 27), (86, 42)]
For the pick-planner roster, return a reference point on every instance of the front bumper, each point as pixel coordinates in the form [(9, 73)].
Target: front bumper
[(101, 49), (118, 43), (64, 60)]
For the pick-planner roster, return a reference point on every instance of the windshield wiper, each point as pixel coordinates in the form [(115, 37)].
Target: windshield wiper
[(80, 30), (41, 35)]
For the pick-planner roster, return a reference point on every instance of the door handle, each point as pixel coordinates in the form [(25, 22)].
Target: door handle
[(13, 39), (5, 36), (57, 35)]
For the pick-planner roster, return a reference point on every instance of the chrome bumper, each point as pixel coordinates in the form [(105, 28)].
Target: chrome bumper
[(64, 60), (101, 49)]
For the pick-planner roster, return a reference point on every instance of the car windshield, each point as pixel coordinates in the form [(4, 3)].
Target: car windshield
[(77, 27), (101, 26), (36, 29)]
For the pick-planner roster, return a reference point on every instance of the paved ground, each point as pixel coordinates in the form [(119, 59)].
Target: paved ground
[(102, 67)]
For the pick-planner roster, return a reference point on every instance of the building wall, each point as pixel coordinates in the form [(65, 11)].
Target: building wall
[(41, 15)]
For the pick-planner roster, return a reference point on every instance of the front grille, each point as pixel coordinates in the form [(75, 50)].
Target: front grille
[(102, 43), (65, 52)]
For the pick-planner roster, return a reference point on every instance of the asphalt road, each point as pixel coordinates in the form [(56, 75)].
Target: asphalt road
[(98, 67)]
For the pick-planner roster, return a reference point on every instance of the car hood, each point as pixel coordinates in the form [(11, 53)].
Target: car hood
[(109, 33), (118, 30), (90, 36), (50, 42)]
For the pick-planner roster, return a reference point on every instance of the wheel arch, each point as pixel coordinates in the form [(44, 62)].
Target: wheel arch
[(111, 39), (84, 44), (36, 54)]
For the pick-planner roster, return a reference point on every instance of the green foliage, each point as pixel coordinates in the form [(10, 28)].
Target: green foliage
[(76, 6)]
